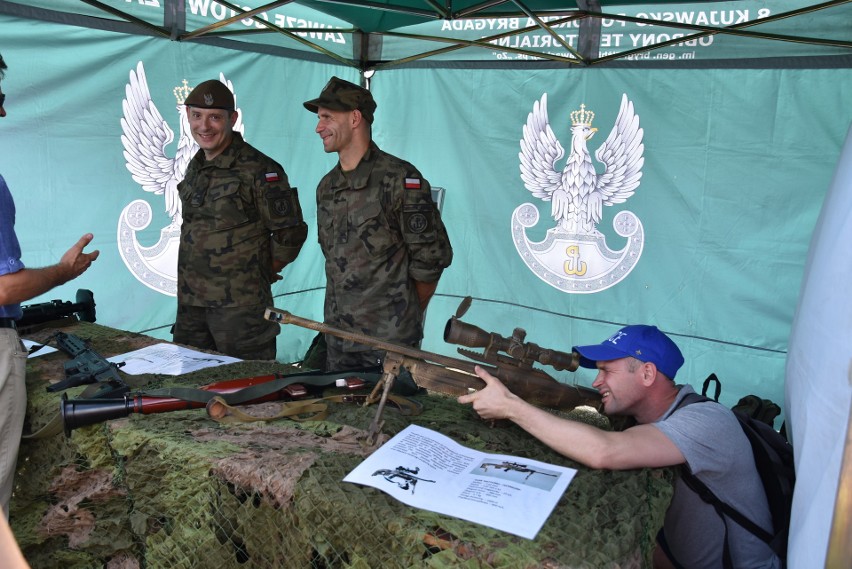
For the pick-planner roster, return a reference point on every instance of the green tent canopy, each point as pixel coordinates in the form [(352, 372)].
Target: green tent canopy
[(371, 35)]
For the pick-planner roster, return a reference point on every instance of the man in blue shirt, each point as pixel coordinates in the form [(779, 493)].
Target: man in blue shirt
[(18, 284)]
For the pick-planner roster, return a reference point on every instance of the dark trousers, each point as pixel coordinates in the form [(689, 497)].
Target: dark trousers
[(239, 332)]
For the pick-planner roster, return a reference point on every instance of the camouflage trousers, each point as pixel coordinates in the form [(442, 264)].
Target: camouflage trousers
[(240, 332)]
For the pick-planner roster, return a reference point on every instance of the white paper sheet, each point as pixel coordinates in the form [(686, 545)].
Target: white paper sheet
[(168, 359), (28, 344), (428, 470)]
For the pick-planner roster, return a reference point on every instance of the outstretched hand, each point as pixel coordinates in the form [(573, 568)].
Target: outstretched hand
[(29, 283), (493, 401), (75, 262)]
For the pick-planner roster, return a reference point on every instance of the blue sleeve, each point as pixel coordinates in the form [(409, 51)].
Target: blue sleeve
[(10, 249)]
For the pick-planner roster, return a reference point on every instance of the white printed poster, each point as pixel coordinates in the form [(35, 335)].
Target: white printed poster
[(428, 470)]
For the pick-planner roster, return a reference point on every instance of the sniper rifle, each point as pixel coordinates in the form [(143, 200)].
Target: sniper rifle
[(454, 376), (506, 466), (407, 476)]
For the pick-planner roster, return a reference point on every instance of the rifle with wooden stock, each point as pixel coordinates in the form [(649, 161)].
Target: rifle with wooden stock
[(454, 376)]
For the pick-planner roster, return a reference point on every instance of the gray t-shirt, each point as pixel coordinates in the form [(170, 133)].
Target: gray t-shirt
[(719, 454)]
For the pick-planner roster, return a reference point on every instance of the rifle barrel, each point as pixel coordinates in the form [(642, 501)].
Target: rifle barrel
[(284, 317), (532, 385)]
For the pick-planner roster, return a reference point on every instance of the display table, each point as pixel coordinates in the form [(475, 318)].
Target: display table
[(179, 490)]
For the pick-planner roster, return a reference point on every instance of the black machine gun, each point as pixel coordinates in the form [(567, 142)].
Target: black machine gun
[(454, 376), (57, 311), (87, 366)]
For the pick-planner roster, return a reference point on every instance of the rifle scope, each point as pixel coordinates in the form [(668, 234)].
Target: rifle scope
[(472, 336)]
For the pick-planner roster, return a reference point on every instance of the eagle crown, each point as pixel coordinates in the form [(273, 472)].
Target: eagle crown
[(582, 116), (182, 92)]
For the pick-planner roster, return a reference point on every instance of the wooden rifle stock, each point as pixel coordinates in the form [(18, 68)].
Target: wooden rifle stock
[(454, 376)]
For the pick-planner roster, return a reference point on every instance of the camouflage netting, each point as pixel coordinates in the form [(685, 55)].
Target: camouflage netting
[(179, 490)]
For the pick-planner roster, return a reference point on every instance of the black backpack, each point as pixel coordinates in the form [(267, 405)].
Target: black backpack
[(773, 457)]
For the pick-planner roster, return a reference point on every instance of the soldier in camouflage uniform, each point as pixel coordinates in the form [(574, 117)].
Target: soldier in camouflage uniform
[(384, 243), (242, 224)]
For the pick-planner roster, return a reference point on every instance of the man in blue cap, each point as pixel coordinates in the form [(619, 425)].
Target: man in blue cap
[(636, 370)]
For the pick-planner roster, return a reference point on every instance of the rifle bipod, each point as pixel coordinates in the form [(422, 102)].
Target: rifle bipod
[(390, 369)]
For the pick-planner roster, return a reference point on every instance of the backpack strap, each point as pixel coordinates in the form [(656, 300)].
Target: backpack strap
[(722, 508), (663, 543), (708, 496), (712, 379)]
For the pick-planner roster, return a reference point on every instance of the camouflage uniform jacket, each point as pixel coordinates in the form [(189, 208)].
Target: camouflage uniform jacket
[(379, 231), (239, 212)]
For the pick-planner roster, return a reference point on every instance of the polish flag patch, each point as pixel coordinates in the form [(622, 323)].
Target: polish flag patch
[(412, 183), (272, 177)]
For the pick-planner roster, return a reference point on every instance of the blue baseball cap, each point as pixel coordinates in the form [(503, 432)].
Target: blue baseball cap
[(645, 343)]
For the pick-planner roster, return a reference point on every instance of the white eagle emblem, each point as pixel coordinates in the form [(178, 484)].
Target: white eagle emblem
[(574, 256), (577, 194), (145, 137)]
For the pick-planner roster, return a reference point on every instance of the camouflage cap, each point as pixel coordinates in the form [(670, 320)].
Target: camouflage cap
[(212, 94), (340, 95)]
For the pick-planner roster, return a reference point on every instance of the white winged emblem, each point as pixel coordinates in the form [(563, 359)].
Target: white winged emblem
[(577, 194), (145, 138), (574, 256)]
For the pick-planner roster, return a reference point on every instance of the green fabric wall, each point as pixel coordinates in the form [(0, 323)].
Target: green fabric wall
[(736, 166), (737, 162)]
